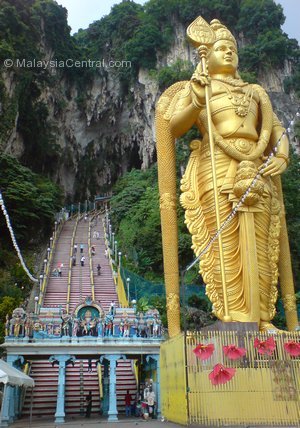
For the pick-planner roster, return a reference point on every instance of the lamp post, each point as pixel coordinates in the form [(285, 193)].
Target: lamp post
[(109, 231), (128, 289), (133, 303), (36, 299), (55, 227), (41, 280), (51, 242), (106, 218), (113, 242), (116, 251), (45, 265), (48, 252), (120, 255)]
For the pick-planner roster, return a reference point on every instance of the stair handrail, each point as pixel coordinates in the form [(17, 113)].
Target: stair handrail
[(55, 236), (90, 259), (81, 388), (99, 371), (71, 263), (26, 370), (123, 302), (134, 366)]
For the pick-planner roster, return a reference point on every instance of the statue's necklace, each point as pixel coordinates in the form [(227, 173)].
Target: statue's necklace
[(231, 81), (241, 102)]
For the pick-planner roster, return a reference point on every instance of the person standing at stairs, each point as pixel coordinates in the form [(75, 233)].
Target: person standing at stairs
[(128, 403), (151, 401), (89, 402), (112, 309), (90, 366), (82, 260)]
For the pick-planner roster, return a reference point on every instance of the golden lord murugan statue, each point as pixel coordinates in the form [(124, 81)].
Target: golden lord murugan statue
[(230, 177)]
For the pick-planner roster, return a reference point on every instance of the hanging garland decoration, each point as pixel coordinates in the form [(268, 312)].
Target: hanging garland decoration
[(233, 352), (245, 195), (265, 347), (14, 241), (221, 375), (203, 351), (292, 348)]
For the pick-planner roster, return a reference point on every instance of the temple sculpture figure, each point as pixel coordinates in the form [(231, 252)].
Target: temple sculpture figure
[(232, 177)]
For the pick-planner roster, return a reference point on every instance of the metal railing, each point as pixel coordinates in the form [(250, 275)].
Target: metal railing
[(71, 263), (48, 262)]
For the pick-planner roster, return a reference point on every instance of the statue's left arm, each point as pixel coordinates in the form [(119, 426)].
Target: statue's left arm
[(278, 141)]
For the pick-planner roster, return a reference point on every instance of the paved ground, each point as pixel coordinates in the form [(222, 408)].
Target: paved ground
[(102, 423), (95, 422)]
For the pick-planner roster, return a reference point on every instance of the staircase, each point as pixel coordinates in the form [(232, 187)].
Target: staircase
[(45, 391), (78, 380), (125, 381), (105, 289), (57, 287), (80, 276), (78, 384)]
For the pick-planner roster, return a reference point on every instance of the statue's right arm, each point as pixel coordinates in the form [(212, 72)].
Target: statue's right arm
[(183, 120), (184, 115)]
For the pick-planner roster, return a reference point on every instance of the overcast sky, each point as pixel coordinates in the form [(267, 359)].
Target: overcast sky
[(84, 12)]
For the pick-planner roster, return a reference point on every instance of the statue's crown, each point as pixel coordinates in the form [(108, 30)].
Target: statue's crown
[(199, 32), (221, 32)]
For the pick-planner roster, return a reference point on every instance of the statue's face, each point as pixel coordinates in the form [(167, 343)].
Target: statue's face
[(223, 58)]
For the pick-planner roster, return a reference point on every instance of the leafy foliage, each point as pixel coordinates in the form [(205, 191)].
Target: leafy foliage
[(7, 305), (291, 185), (31, 200), (255, 18), (135, 211), (180, 70)]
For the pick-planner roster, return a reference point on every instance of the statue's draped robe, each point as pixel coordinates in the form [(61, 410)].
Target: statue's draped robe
[(250, 240)]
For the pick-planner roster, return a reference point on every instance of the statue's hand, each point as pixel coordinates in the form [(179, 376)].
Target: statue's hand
[(200, 77), (198, 82), (198, 94), (275, 166)]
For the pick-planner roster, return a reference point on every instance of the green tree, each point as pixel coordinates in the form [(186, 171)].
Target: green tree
[(7, 305), (291, 185), (180, 70), (257, 17), (31, 200)]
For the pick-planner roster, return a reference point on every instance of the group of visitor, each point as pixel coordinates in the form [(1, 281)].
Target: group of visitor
[(144, 405)]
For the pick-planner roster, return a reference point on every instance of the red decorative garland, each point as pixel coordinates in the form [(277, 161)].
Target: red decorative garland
[(204, 351), (265, 347), (292, 348), (234, 352), (221, 374)]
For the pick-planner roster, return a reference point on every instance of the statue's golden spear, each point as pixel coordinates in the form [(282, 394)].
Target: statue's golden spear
[(200, 32)]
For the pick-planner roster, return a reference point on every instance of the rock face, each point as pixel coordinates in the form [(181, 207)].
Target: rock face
[(109, 133)]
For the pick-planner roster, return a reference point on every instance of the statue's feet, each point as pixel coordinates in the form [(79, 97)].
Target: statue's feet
[(269, 328)]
